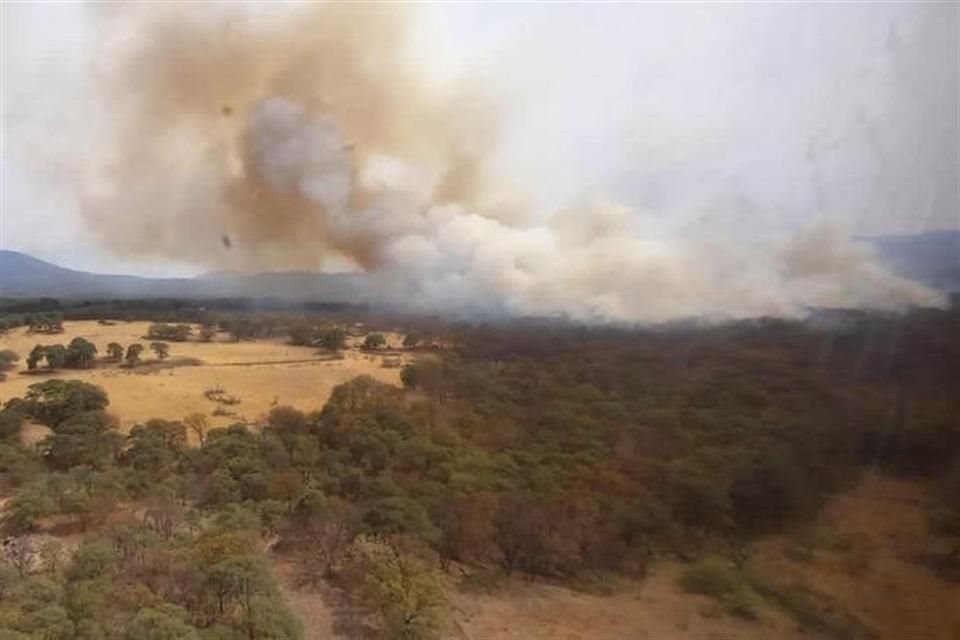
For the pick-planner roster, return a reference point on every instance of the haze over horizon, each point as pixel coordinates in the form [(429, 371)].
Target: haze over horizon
[(512, 155)]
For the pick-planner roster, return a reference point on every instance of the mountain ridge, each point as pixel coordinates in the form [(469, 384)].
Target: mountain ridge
[(931, 257)]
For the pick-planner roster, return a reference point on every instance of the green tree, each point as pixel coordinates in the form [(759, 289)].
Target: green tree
[(162, 349), (81, 353), (332, 339), (411, 340), (163, 622), (88, 438), (11, 423), (133, 354), (50, 622), (154, 447), (53, 401), (405, 594), (36, 355), (115, 351), (8, 360), (56, 355), (25, 509), (171, 332)]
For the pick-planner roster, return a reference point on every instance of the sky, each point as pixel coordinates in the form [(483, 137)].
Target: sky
[(756, 120)]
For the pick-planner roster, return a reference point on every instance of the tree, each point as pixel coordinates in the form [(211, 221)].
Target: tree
[(25, 509), (324, 526), (411, 340), (301, 333), (466, 527), (410, 377), (374, 341), (115, 351), (404, 593), (133, 354), (81, 353), (11, 422), (36, 355), (332, 339), (162, 349), (56, 355), (171, 332), (208, 333), (162, 622), (88, 438), (198, 425), (54, 401), (154, 447), (247, 599), (49, 622), (8, 360)]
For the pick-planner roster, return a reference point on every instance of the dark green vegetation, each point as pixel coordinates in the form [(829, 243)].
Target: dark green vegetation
[(551, 451), (80, 354), (172, 332)]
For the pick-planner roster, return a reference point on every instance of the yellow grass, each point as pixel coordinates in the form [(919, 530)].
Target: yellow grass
[(258, 372)]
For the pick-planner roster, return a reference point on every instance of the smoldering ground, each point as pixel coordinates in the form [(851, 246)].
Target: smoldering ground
[(310, 133)]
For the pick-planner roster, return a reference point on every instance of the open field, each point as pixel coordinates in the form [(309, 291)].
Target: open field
[(262, 373)]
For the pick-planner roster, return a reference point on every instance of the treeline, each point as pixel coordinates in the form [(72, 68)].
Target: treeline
[(81, 354), (163, 309)]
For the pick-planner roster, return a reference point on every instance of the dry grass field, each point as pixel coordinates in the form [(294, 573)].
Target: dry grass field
[(262, 373)]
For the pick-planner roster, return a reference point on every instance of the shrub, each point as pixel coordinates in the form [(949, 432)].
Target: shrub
[(711, 576), (717, 578)]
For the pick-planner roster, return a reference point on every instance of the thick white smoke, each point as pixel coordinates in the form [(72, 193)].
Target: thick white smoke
[(591, 264), (324, 131)]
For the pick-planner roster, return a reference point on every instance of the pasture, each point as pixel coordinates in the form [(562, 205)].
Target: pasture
[(261, 373)]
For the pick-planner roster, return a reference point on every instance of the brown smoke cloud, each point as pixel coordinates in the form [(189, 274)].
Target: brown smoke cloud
[(251, 140), (183, 167)]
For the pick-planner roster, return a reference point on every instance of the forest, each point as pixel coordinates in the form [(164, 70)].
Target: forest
[(539, 449)]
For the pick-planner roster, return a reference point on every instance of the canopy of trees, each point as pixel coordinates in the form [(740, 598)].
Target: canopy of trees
[(170, 332), (544, 451)]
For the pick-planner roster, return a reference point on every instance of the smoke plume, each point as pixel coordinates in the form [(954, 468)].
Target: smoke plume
[(247, 141)]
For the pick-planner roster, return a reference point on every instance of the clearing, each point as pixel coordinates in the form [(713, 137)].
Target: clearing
[(262, 373)]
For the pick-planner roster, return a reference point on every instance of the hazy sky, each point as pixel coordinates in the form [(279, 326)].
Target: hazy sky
[(758, 118)]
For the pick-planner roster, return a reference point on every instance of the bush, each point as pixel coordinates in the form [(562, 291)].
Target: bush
[(717, 578), (711, 576)]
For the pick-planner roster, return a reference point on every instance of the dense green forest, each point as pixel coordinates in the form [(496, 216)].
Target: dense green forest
[(556, 452)]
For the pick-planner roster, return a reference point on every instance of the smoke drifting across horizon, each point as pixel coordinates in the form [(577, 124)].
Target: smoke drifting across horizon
[(310, 134)]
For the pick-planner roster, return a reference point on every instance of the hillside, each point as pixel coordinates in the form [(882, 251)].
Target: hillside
[(24, 276)]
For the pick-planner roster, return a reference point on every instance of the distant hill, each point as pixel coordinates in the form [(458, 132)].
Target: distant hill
[(932, 258), (24, 276)]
